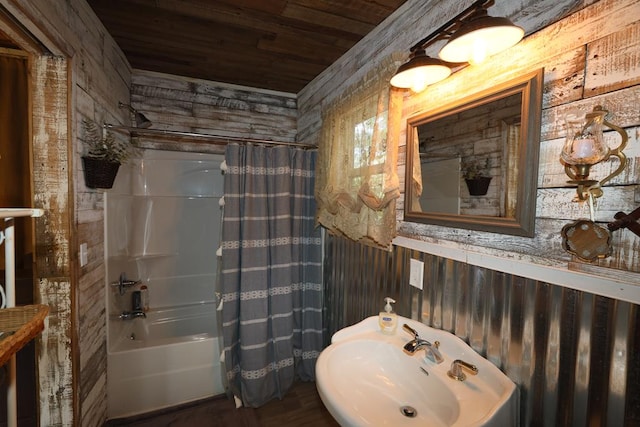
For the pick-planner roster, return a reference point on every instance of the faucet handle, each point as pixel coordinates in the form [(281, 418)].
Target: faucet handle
[(409, 329), (123, 283), (456, 369)]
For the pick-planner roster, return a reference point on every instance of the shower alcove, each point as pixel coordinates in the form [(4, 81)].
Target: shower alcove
[(162, 227)]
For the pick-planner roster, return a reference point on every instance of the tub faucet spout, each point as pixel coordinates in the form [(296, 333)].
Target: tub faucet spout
[(128, 315)]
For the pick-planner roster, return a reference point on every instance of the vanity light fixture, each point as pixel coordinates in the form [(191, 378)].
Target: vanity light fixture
[(141, 121), (585, 147), (472, 35), (420, 71)]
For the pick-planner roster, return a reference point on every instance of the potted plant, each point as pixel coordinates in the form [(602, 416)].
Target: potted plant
[(104, 155), (476, 174)]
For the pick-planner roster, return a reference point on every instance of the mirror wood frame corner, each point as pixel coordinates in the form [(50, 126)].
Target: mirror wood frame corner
[(521, 219)]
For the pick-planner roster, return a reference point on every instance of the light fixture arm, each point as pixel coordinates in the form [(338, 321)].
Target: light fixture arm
[(446, 30), (617, 152)]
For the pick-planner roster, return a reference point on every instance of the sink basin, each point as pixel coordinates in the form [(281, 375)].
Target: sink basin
[(364, 378)]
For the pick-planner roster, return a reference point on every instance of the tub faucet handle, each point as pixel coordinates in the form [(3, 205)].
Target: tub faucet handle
[(124, 283)]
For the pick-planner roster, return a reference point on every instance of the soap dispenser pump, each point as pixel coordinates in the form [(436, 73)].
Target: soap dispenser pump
[(388, 319)]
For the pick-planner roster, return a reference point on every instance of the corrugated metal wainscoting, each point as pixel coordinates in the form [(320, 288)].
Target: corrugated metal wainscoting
[(575, 356)]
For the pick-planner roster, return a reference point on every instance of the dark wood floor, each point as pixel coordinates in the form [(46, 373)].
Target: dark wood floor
[(301, 406)]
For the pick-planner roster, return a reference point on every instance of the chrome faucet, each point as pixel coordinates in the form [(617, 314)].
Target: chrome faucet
[(418, 343), (128, 315)]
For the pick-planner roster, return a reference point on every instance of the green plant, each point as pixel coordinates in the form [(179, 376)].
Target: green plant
[(475, 168), (104, 145)]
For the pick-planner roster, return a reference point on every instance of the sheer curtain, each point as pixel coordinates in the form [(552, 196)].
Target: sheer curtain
[(357, 181), (271, 271)]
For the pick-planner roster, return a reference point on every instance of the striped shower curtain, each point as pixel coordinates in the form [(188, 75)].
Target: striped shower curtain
[(271, 271)]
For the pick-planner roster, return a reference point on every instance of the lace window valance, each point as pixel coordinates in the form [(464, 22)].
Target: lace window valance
[(357, 181)]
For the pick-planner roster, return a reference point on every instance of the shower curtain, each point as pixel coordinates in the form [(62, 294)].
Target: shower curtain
[(271, 271)]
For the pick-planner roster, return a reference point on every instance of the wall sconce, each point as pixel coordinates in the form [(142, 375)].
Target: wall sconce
[(141, 121), (472, 36), (585, 147)]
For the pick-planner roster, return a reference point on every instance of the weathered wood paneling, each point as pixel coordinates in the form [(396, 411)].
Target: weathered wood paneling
[(92, 76), (189, 105), (53, 239), (614, 61), (589, 58), (582, 68), (410, 23)]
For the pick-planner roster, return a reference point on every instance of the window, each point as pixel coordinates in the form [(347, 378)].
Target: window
[(357, 172)]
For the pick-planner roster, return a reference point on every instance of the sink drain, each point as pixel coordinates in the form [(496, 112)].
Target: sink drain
[(408, 411)]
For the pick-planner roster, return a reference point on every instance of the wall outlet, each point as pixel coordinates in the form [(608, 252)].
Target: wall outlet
[(416, 273), (84, 257)]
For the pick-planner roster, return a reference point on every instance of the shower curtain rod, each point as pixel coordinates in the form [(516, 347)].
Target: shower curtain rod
[(219, 139)]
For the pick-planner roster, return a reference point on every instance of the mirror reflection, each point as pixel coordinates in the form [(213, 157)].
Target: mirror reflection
[(469, 160), (474, 163)]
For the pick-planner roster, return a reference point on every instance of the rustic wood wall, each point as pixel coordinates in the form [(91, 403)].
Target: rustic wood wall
[(184, 104), (590, 57), (77, 72), (84, 75), (570, 51)]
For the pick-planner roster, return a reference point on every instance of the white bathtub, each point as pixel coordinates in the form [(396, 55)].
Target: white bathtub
[(170, 357)]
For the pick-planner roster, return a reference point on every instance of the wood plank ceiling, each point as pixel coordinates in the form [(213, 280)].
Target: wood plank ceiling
[(271, 44)]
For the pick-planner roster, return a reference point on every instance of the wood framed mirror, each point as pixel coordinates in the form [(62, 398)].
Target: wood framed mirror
[(493, 134)]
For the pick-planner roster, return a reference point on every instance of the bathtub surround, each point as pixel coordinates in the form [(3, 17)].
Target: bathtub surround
[(271, 271), (163, 227)]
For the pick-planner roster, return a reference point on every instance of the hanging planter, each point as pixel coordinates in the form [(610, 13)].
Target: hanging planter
[(104, 156), (99, 173), (478, 186), (476, 173)]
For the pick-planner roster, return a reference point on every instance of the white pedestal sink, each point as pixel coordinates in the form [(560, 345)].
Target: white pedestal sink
[(364, 378)]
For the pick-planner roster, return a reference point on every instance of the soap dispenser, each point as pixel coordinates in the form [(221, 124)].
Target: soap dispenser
[(388, 319)]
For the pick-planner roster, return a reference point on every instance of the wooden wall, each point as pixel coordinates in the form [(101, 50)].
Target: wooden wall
[(570, 51), (77, 71), (589, 50), (184, 104), (590, 56)]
